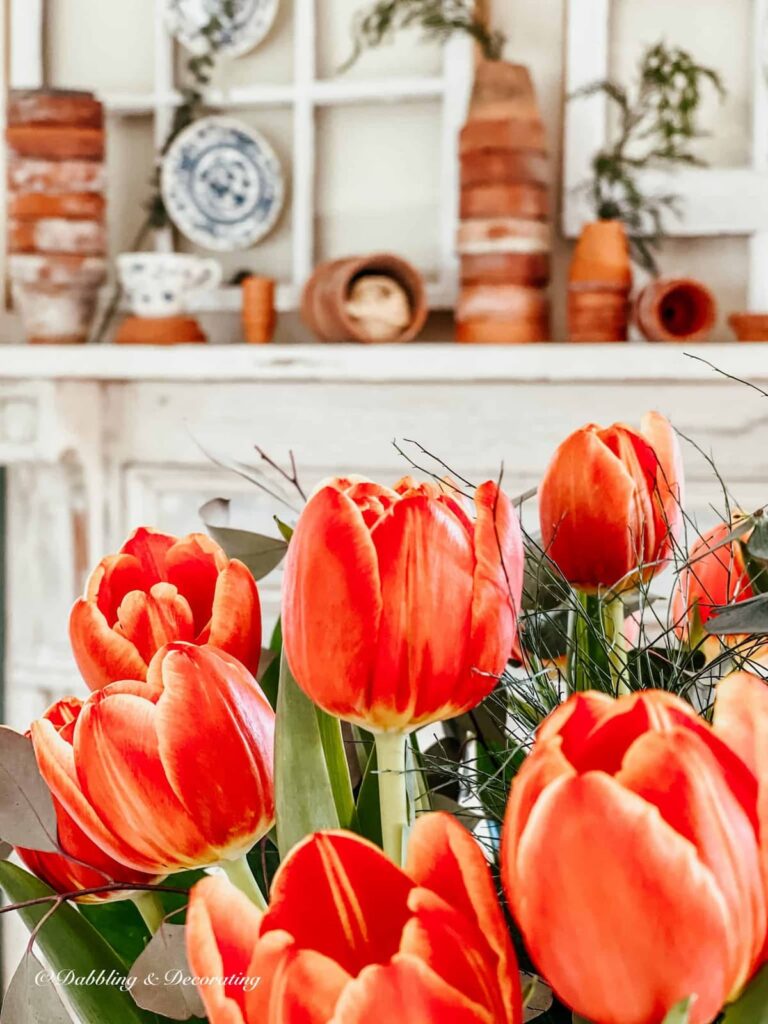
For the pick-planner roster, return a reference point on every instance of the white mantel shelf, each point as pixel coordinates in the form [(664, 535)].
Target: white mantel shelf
[(546, 363)]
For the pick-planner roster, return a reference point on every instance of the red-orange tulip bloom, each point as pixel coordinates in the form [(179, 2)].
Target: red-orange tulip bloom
[(610, 503), (398, 610), (158, 589), (631, 860), (714, 575), (171, 773), (349, 938), (60, 872)]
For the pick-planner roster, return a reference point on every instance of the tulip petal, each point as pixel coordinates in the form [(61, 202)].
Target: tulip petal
[(339, 895), (236, 615), (445, 858), (102, 655), (113, 578), (676, 772), (404, 990), (150, 547), (331, 603), (119, 767), (670, 476), (640, 461), (421, 667), (498, 585), (237, 772), (297, 985), (151, 620), (597, 904), (588, 514), (192, 565), (222, 931)]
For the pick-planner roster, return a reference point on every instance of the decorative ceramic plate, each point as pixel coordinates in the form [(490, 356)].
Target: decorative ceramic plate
[(249, 24), (222, 184)]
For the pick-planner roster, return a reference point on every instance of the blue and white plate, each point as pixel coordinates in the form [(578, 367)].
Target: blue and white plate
[(222, 184), (246, 28)]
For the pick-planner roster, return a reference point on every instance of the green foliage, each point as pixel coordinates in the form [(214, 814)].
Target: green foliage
[(657, 124), (752, 1006), (379, 22)]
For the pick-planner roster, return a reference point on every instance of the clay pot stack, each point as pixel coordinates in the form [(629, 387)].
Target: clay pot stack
[(599, 284), (504, 236), (56, 211)]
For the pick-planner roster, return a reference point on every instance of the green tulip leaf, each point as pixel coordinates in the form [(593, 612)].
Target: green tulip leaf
[(752, 1006), (304, 794), (368, 809), (338, 768), (71, 944), (259, 552), (27, 814), (32, 998)]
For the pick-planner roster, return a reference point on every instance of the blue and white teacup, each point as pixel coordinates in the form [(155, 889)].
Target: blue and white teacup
[(158, 284)]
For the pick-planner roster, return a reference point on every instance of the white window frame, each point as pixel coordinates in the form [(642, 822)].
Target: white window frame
[(715, 201), (304, 96)]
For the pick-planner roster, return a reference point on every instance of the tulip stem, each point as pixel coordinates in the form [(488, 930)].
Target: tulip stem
[(617, 656), (151, 909), (390, 756), (240, 875)]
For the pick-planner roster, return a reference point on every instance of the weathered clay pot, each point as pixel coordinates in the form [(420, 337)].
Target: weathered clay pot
[(527, 268), (676, 309), (526, 201), (55, 176), (501, 332), (57, 296), (27, 206), (749, 326), (259, 314), (55, 107), (599, 283), (325, 296), (504, 166), (168, 330)]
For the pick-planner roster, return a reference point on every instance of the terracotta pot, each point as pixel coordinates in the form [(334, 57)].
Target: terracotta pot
[(55, 142), (326, 295), (56, 235), (749, 326), (506, 268), (259, 314), (70, 206), (529, 201), (169, 330), (55, 107), (502, 134), (55, 176), (495, 166), (503, 234), (598, 316), (601, 257), (676, 309), (503, 303), (57, 295), (500, 332)]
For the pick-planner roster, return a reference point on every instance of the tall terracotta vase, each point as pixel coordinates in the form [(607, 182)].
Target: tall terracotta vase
[(599, 283), (676, 309), (504, 237), (56, 211)]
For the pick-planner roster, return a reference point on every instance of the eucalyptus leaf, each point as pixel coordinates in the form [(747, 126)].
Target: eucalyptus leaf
[(32, 998), (304, 796), (752, 1006), (27, 814), (161, 976), (537, 996), (679, 1014), (72, 945), (259, 552), (744, 617), (757, 545)]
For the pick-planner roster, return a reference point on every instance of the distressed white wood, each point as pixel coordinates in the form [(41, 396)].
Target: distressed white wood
[(163, 110), (758, 262), (304, 129), (26, 44), (458, 73)]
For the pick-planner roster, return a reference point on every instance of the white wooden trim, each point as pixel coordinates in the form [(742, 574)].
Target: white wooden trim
[(26, 44), (458, 72), (164, 85), (304, 139), (758, 255), (25, 368)]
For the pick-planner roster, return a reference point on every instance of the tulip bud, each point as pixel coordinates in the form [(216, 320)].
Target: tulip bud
[(610, 504), (398, 609), (349, 936), (171, 773), (631, 860), (158, 589)]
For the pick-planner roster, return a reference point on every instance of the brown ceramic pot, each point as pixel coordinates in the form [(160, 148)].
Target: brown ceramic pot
[(676, 309), (325, 296), (749, 326)]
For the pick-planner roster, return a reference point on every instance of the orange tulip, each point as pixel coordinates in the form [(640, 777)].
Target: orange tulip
[(398, 610), (171, 773), (714, 575), (351, 938), (610, 503), (631, 860), (87, 866), (158, 589)]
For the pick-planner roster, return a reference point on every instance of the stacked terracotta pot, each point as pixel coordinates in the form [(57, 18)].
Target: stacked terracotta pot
[(504, 236), (56, 211), (599, 284)]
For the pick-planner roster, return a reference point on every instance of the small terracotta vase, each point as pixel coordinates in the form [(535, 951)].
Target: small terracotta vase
[(56, 296), (259, 314), (325, 300), (676, 309), (599, 283), (749, 326)]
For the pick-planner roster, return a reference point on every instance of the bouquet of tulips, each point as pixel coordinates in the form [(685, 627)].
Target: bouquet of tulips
[(478, 776)]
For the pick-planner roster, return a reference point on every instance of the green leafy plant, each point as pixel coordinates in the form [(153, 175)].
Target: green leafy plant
[(378, 23), (658, 120)]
